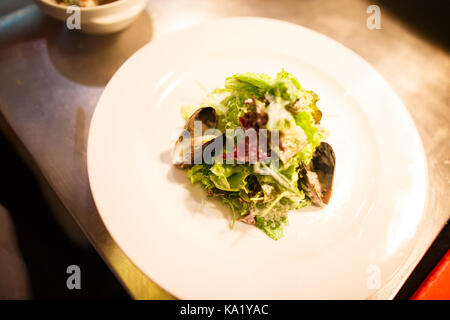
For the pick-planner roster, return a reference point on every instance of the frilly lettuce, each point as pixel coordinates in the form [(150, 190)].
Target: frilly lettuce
[(261, 191)]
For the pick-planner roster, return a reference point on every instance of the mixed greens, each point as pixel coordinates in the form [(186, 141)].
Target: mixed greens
[(262, 192)]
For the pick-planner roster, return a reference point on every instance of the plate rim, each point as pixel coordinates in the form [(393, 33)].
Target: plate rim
[(154, 42)]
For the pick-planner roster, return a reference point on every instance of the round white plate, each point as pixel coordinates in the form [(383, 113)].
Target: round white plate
[(183, 241)]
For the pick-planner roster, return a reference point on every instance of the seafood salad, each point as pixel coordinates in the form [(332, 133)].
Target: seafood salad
[(84, 3), (257, 144)]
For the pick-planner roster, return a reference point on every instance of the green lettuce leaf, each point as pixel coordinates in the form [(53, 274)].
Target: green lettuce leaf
[(263, 190)]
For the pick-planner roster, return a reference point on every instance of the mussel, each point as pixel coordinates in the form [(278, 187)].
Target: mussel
[(206, 115), (190, 143), (316, 179)]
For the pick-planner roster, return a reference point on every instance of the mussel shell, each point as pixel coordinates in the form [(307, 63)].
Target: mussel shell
[(317, 178), (206, 115), (184, 151)]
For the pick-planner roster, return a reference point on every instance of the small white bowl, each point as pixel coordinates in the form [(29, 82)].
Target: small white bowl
[(103, 19)]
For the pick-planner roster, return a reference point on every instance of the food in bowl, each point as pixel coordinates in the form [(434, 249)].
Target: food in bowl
[(85, 3), (257, 145), (104, 18)]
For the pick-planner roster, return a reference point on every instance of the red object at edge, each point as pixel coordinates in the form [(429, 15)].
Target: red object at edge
[(437, 285)]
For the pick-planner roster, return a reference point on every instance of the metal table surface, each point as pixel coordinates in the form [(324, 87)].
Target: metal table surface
[(51, 79)]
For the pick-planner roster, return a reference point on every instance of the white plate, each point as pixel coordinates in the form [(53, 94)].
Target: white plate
[(183, 241)]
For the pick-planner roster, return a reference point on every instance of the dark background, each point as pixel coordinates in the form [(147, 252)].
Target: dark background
[(45, 249)]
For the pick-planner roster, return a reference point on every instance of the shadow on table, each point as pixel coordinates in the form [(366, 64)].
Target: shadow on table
[(93, 60), (86, 59), (428, 18), (35, 250)]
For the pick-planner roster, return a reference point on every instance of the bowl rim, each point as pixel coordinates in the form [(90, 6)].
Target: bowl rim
[(54, 4)]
